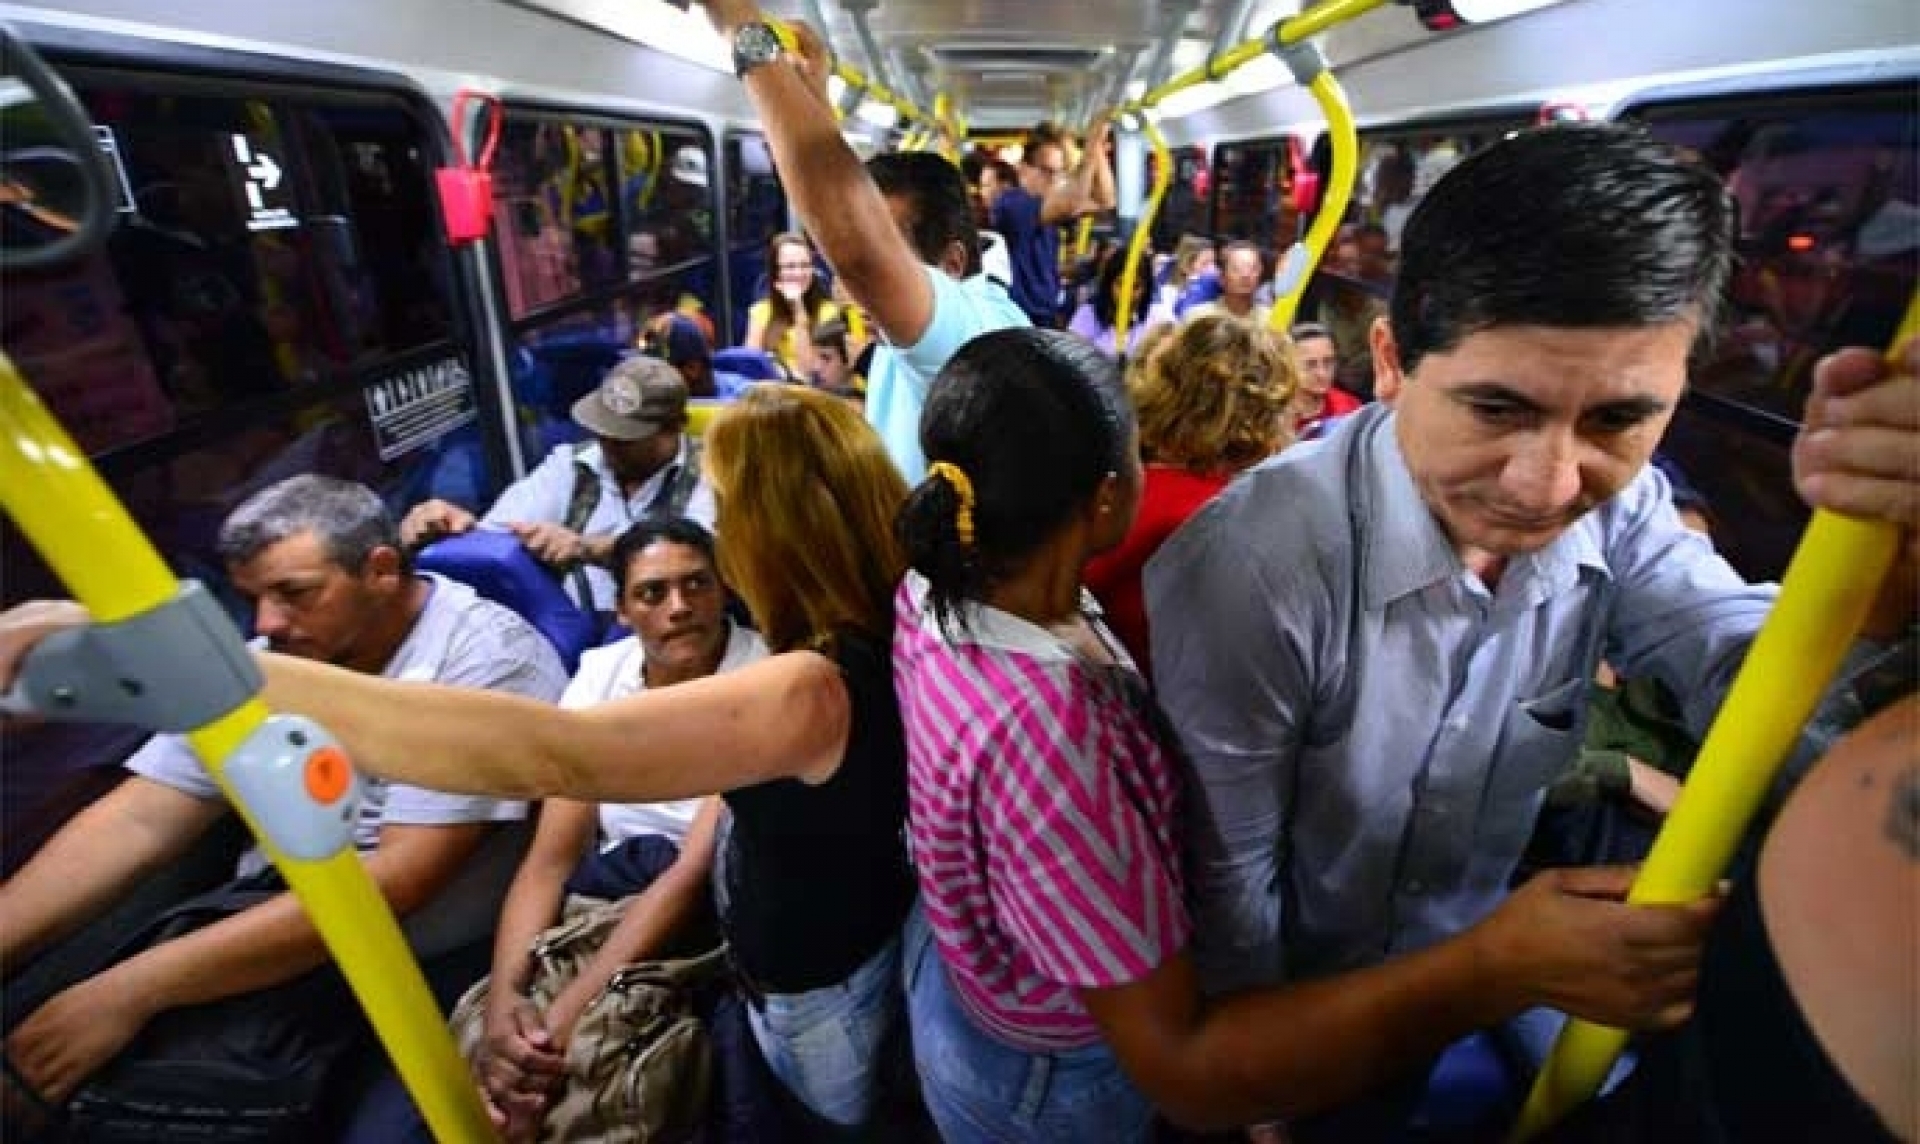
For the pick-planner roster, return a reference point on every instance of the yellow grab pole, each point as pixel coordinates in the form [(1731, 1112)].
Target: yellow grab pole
[(1142, 231), (1829, 586), (73, 519), (1332, 99)]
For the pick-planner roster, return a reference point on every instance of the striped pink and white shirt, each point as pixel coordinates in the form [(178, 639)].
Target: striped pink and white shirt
[(1042, 814)]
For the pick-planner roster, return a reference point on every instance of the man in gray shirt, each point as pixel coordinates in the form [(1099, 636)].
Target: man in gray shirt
[(1376, 648)]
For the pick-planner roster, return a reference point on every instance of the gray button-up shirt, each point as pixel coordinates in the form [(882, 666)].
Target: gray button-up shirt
[(1371, 727)]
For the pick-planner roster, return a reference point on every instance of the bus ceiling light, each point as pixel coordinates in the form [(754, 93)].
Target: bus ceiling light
[(1440, 15), (881, 115)]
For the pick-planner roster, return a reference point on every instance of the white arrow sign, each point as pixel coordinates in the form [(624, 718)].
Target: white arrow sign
[(265, 171)]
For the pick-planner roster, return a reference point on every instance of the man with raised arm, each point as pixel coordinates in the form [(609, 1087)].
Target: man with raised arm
[(321, 560), (899, 234), (1043, 198), (1377, 650)]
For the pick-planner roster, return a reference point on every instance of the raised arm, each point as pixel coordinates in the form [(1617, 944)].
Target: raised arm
[(830, 190), (784, 717), (1090, 189)]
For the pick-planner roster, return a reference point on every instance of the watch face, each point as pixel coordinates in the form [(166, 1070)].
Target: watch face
[(753, 45)]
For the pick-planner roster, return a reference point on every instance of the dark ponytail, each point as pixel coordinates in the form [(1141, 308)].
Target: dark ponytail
[(1019, 431)]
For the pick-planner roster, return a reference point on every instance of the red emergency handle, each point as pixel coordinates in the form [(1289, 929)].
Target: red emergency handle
[(466, 189)]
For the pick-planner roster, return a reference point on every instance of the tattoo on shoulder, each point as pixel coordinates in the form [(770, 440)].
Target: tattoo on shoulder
[(1903, 814)]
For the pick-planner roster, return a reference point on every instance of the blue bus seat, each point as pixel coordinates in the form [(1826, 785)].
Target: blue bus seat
[(756, 365), (1472, 1085), (497, 566)]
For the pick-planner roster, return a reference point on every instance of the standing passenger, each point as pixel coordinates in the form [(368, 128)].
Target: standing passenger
[(1211, 402), (903, 240), (1051, 995), (1377, 652), (1042, 200)]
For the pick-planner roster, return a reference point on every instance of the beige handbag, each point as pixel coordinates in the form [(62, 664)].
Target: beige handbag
[(639, 1063)]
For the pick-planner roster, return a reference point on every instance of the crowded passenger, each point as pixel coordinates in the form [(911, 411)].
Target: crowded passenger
[(812, 878), (833, 369), (1462, 560), (1317, 401), (660, 853), (1098, 319), (323, 565), (640, 464), (782, 323), (899, 234), (1049, 986), (1242, 268), (1044, 198), (1210, 402), (1193, 259)]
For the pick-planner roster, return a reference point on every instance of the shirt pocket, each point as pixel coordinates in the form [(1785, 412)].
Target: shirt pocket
[(1539, 740)]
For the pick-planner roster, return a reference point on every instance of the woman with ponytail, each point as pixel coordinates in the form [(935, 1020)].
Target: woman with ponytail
[(1049, 987)]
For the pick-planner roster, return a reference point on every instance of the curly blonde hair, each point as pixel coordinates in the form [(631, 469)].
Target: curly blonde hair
[(1216, 396)]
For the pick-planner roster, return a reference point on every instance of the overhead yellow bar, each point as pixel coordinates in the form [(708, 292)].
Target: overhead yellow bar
[(1830, 584), (1142, 238)]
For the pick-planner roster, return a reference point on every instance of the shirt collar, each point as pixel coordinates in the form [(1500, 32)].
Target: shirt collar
[(1407, 550), (985, 626)]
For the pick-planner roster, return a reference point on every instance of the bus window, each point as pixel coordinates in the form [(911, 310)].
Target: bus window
[(1828, 233), (274, 299), (756, 211), (603, 227), (1253, 192)]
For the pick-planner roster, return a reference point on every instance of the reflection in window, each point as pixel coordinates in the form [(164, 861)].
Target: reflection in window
[(1829, 227)]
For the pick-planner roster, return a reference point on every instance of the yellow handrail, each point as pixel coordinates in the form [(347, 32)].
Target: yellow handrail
[(1332, 98), (85, 535), (1142, 231), (1824, 598)]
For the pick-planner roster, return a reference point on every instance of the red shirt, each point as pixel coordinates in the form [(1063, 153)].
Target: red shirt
[(1169, 497), (1338, 403)]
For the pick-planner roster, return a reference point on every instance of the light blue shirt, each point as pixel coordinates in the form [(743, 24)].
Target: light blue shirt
[(901, 375), (1371, 728), (543, 495)]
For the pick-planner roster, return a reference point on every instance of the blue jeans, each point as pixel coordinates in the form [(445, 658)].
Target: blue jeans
[(824, 1044), (980, 1089)]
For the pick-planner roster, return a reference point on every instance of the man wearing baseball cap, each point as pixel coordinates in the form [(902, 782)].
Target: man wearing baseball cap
[(639, 463)]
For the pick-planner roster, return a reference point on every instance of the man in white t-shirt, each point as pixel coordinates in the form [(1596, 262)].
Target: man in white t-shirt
[(321, 560)]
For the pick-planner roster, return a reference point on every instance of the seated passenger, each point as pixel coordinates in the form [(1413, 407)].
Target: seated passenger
[(568, 512), (783, 322), (672, 598), (683, 343), (1043, 819), (322, 561), (1096, 320), (1211, 401), (1193, 258), (813, 879), (1241, 269), (1318, 400), (832, 366)]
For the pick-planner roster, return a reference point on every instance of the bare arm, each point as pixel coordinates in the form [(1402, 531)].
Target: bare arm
[(134, 828), (564, 833), (1089, 189), (1305, 1047), (70, 1037), (649, 923), (839, 204), (784, 717)]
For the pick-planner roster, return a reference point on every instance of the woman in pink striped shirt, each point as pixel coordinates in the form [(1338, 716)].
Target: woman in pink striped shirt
[(1049, 988)]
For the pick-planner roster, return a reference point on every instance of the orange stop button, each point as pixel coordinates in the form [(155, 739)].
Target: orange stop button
[(328, 774)]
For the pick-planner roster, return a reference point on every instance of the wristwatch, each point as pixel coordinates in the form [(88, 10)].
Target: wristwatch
[(755, 44)]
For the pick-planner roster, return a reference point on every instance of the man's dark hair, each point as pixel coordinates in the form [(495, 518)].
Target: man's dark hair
[(1576, 225), (1036, 420), (937, 198), (657, 530), (1003, 172)]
